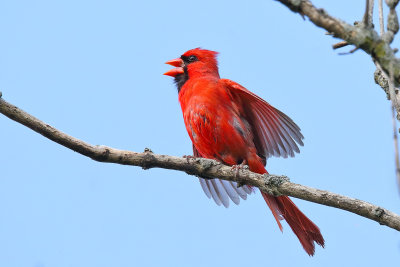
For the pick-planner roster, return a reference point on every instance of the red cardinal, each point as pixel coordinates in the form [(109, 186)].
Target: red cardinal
[(230, 124)]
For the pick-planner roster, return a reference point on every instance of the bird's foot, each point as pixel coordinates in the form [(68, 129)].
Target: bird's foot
[(239, 167)]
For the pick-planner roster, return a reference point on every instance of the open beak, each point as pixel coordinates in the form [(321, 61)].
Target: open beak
[(178, 63)]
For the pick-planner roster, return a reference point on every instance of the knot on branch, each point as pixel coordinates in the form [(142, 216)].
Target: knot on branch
[(147, 150), (392, 3), (363, 25), (393, 21), (203, 165), (102, 153), (379, 212), (148, 159), (272, 183)]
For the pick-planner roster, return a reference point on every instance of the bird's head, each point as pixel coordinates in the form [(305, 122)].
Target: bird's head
[(193, 63)]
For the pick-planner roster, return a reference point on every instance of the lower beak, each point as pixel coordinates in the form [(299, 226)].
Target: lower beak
[(174, 72)]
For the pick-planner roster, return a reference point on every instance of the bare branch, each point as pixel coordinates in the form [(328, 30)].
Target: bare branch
[(362, 37), (390, 86), (340, 44), (368, 15), (381, 23), (367, 22), (396, 147), (206, 168)]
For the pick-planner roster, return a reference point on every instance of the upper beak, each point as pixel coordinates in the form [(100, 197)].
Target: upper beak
[(178, 63)]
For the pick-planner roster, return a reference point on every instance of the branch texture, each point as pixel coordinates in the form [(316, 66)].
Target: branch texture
[(272, 184)]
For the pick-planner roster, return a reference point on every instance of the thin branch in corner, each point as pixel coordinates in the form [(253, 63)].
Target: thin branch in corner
[(396, 147), (272, 184), (365, 38), (392, 107)]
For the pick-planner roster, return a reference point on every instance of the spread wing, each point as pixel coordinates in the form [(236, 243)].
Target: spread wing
[(275, 134)]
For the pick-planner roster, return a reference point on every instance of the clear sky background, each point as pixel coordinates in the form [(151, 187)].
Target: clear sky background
[(93, 69)]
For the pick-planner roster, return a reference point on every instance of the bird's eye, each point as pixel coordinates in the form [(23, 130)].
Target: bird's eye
[(192, 58)]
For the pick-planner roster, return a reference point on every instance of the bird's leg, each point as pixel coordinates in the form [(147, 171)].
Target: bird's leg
[(237, 168)]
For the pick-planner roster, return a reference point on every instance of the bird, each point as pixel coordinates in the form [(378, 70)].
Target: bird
[(230, 124)]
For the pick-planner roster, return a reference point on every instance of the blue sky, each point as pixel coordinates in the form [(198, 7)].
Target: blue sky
[(93, 69)]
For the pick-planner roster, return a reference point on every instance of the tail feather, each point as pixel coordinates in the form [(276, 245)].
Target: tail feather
[(305, 230), (283, 208), (274, 207)]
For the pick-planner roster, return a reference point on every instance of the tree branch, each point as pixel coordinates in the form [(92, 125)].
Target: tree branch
[(273, 184), (381, 23), (368, 15), (390, 86), (365, 38), (396, 147)]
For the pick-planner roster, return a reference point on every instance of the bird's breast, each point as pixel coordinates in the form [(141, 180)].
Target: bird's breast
[(214, 122)]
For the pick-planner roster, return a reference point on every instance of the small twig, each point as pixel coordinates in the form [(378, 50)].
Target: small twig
[(340, 44), (396, 146), (368, 15), (395, 109), (350, 52), (381, 23), (366, 23)]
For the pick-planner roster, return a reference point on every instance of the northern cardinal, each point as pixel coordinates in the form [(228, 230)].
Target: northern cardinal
[(230, 124)]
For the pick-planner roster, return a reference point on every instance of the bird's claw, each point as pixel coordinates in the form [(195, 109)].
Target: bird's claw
[(239, 167)]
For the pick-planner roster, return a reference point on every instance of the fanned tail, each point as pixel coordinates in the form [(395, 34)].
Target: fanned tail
[(284, 208)]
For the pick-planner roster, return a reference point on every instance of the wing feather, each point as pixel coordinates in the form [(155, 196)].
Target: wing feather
[(275, 133), (223, 196), (239, 190), (220, 190), (214, 194), (204, 185), (232, 193)]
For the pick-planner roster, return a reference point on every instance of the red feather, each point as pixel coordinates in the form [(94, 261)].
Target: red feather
[(228, 123)]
